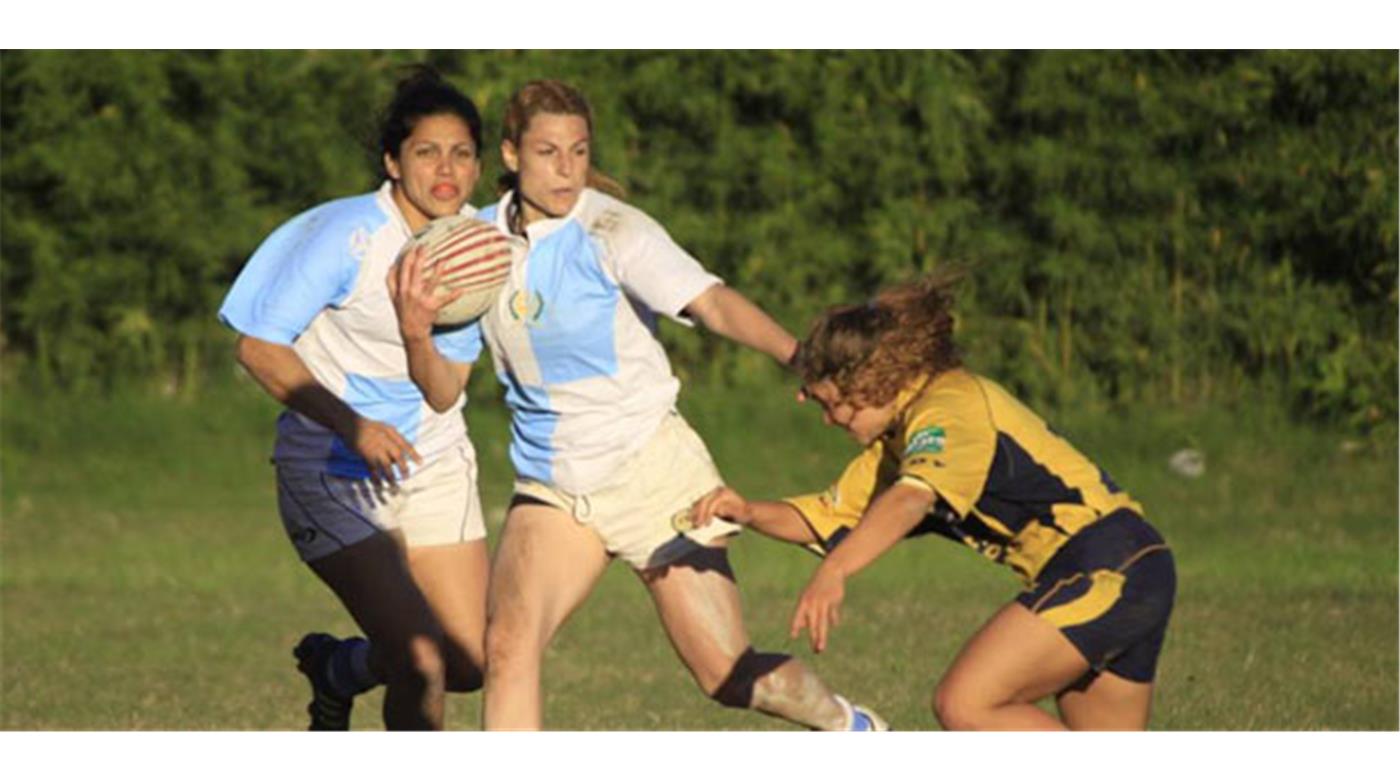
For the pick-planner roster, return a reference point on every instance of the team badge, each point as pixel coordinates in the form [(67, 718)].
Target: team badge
[(930, 440), (526, 306)]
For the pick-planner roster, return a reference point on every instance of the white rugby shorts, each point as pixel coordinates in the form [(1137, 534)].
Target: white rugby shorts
[(637, 516)]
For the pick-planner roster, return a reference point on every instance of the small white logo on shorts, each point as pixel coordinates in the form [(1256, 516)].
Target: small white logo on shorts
[(681, 522)]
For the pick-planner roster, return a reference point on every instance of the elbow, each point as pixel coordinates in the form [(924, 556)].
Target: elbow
[(441, 397), (441, 405), (245, 351)]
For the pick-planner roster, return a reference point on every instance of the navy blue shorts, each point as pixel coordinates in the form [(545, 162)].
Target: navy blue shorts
[(1110, 590)]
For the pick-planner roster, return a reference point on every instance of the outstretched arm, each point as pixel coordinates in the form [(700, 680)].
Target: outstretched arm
[(890, 517), (725, 311), (770, 518)]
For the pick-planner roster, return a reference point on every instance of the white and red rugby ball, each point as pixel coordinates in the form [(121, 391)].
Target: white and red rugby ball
[(468, 254)]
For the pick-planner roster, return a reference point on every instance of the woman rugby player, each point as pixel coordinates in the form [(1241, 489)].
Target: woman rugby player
[(952, 453), (603, 461), (376, 484)]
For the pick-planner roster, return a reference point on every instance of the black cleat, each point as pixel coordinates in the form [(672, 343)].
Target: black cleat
[(329, 711)]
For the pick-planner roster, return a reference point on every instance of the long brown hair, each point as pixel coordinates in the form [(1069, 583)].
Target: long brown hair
[(549, 97), (873, 350)]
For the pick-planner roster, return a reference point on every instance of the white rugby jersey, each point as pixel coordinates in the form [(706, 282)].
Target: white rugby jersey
[(318, 284), (573, 338)]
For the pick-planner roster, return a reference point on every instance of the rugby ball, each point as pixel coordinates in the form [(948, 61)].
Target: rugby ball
[(468, 254)]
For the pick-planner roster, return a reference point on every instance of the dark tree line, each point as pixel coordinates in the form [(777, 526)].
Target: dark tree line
[(1154, 227)]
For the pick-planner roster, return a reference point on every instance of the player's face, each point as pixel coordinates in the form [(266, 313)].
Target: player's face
[(865, 424), (436, 169), (551, 162)]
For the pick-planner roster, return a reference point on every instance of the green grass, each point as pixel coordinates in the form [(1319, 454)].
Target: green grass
[(145, 582)]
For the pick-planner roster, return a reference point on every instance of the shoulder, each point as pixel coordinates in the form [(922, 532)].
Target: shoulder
[(954, 398), (345, 214), (953, 390), (616, 222), (342, 227)]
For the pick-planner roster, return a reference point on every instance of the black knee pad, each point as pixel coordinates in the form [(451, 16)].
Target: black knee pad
[(737, 688)]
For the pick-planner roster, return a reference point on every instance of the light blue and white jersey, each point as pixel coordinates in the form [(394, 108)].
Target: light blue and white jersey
[(573, 338), (318, 284)]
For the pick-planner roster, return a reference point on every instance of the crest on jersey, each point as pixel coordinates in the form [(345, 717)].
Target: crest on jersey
[(526, 306), (929, 440)]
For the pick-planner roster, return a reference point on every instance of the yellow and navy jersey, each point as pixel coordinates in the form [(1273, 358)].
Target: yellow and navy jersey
[(1005, 484)]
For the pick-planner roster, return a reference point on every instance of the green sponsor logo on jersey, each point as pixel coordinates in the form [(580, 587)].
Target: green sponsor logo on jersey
[(928, 440)]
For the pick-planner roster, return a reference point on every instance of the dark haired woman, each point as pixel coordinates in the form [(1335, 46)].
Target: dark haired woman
[(376, 482)]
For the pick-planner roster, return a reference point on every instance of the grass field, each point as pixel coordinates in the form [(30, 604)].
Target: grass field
[(145, 582)]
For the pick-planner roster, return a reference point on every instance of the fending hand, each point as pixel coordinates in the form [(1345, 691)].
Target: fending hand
[(720, 502)]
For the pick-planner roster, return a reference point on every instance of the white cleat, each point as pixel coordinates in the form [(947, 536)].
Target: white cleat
[(860, 718)]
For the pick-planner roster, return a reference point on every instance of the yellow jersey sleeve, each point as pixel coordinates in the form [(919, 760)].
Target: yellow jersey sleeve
[(947, 440), (832, 513)]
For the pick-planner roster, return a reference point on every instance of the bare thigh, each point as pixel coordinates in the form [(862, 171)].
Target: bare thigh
[(1016, 658), (1107, 702), (546, 565), (453, 580)]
